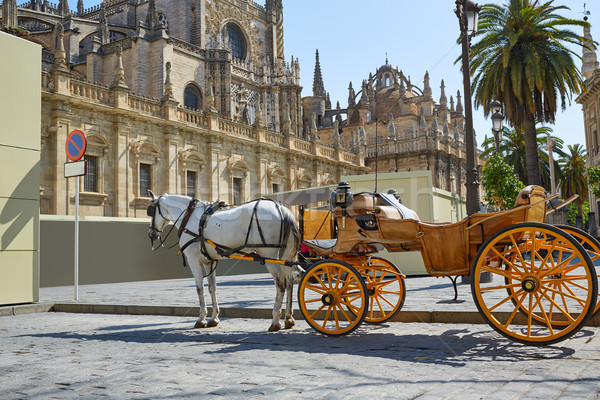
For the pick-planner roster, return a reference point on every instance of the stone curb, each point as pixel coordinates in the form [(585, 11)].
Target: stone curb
[(435, 317), (19, 309)]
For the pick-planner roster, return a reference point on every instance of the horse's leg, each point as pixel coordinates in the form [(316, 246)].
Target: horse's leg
[(212, 289), (289, 310), (198, 277), (280, 288)]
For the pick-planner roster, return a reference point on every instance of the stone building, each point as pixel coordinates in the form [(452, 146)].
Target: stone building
[(180, 96), (590, 104), (396, 124)]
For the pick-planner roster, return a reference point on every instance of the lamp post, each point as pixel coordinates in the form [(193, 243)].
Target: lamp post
[(468, 15), (497, 118), (549, 147)]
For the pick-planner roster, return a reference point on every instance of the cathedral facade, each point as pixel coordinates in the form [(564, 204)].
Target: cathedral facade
[(396, 124), (181, 96), (590, 104)]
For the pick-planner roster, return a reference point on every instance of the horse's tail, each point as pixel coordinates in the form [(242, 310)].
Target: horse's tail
[(291, 236)]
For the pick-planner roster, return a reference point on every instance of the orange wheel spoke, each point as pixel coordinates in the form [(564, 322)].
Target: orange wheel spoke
[(569, 295), (514, 312), (312, 316), (317, 289), (512, 296), (508, 286)]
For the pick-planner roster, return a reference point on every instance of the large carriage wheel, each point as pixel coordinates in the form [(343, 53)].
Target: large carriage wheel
[(551, 280), (386, 289), (591, 245), (332, 297)]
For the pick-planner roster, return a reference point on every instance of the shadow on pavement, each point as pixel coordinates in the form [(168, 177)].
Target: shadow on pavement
[(453, 347)]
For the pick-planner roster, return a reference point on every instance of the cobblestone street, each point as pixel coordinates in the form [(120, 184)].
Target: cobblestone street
[(63, 355)]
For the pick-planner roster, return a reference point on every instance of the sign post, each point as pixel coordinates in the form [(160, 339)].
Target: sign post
[(75, 148)]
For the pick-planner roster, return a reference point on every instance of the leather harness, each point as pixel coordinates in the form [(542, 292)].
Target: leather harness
[(222, 250)]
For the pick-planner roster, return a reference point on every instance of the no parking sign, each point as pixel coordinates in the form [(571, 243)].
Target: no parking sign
[(76, 145)]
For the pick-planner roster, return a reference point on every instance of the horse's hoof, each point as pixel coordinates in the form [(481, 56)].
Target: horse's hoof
[(289, 323), (212, 323), (200, 324), (274, 327)]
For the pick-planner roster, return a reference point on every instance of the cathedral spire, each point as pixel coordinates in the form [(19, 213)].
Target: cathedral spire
[(80, 8), (119, 75), (427, 92), (443, 98), (318, 86), (351, 96), (103, 31), (59, 48), (9, 13), (152, 16), (590, 60), (63, 8), (434, 123), (168, 95), (459, 106), (335, 135), (422, 122)]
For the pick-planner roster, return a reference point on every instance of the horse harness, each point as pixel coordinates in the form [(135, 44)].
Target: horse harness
[(222, 250)]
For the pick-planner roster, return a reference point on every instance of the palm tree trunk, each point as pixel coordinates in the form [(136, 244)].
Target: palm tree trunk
[(579, 217), (531, 152)]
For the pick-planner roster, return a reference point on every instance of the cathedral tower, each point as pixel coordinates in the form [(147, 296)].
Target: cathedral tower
[(9, 13)]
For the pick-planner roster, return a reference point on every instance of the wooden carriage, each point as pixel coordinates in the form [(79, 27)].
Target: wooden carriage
[(543, 288)]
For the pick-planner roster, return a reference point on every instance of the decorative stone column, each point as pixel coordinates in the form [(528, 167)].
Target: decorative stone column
[(118, 88)]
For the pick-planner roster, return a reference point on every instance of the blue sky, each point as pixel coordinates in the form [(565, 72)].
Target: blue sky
[(354, 36)]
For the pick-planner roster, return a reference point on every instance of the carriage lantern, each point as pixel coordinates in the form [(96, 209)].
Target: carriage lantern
[(342, 197)]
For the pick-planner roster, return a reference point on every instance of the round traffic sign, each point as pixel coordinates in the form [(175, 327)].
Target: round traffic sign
[(75, 145)]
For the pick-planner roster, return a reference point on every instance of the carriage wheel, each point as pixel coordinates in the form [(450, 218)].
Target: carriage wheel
[(591, 245), (327, 291), (386, 289), (550, 278)]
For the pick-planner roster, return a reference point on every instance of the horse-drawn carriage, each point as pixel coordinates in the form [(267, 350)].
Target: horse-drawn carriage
[(543, 285)]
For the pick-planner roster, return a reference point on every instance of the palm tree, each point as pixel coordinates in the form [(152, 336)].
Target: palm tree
[(512, 148), (574, 180), (522, 61)]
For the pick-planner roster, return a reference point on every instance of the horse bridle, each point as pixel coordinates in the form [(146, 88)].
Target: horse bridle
[(154, 232)]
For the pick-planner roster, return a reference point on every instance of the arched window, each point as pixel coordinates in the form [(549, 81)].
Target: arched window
[(192, 98), (163, 20), (236, 40)]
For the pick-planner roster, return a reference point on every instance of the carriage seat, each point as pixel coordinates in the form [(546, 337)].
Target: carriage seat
[(324, 244), (384, 204)]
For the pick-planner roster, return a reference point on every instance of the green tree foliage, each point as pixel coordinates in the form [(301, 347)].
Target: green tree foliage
[(522, 60), (593, 174), (572, 213), (500, 182), (512, 148)]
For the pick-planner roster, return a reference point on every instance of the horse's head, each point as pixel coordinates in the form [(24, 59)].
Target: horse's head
[(158, 221)]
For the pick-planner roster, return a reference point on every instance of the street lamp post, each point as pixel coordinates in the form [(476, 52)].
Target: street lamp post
[(549, 147), (468, 15), (497, 118)]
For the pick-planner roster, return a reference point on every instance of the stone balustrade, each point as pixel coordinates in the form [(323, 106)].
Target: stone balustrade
[(100, 94), (193, 117), (236, 129), (91, 91), (145, 105)]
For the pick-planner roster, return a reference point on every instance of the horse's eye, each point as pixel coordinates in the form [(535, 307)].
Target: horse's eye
[(151, 210)]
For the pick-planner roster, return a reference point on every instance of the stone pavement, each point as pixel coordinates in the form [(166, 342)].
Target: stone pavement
[(67, 356), (118, 354)]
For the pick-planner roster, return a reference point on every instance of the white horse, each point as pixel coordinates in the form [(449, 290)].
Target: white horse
[(262, 226)]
